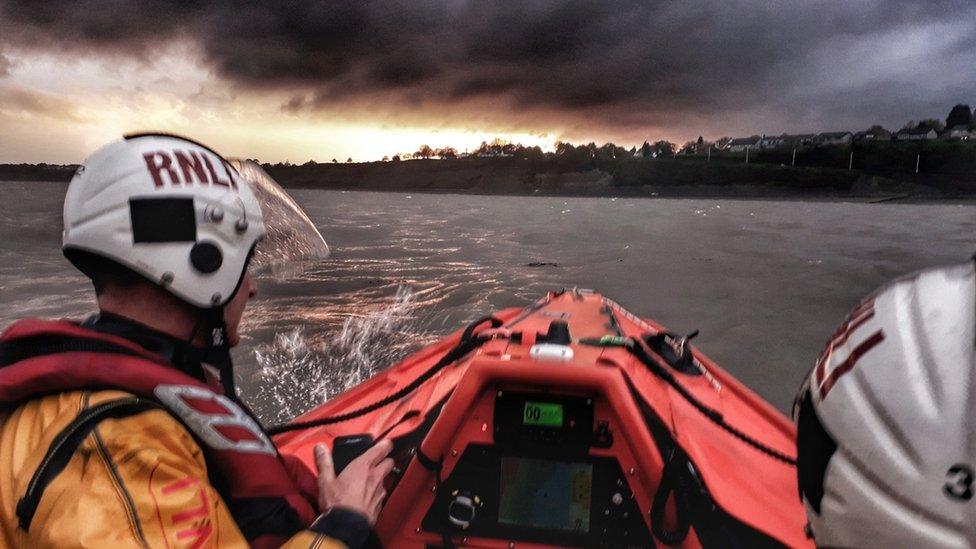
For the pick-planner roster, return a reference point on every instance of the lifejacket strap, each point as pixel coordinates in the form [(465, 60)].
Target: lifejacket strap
[(66, 443)]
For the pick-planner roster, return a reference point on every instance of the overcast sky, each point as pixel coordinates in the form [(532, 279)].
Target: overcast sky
[(299, 80)]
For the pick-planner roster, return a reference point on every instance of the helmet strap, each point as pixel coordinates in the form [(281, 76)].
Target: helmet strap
[(216, 351)]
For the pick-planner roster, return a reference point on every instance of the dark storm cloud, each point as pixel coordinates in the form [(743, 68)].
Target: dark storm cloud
[(625, 63)]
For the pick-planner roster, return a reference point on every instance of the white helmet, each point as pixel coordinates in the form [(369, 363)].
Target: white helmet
[(887, 419), (169, 209)]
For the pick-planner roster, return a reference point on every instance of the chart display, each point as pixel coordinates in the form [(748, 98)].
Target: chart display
[(545, 494)]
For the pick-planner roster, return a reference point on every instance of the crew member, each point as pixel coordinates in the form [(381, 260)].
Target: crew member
[(125, 429), (886, 434)]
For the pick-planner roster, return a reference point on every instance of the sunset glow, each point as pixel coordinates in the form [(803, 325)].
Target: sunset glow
[(364, 81)]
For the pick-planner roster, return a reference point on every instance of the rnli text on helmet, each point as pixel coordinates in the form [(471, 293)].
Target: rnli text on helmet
[(191, 164)]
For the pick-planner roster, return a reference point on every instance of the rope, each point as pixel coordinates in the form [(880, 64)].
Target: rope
[(469, 342), (713, 415)]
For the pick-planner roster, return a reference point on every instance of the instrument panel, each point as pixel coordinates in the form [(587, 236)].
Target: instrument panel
[(539, 480)]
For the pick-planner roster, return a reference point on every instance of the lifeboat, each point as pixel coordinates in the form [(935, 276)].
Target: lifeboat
[(570, 422)]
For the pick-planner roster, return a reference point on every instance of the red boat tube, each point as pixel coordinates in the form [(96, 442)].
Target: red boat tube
[(569, 423)]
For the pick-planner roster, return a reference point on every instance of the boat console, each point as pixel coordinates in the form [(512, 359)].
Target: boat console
[(538, 481), (528, 462)]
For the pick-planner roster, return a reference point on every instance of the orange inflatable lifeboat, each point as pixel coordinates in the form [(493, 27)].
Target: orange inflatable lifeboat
[(568, 423)]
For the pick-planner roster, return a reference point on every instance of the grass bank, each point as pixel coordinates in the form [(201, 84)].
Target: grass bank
[(552, 175)]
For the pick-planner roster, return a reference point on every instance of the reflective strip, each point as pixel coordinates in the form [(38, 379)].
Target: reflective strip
[(205, 425)]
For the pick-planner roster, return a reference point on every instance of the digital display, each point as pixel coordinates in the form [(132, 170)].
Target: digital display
[(545, 494), (544, 414)]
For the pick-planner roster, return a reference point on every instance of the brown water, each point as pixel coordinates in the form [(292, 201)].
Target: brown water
[(766, 282)]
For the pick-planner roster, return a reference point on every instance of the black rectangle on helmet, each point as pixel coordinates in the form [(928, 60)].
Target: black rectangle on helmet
[(162, 220)]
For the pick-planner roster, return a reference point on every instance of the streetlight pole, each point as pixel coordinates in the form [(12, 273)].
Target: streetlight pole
[(793, 162)]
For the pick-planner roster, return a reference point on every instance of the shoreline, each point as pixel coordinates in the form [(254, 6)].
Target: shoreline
[(693, 195), (660, 178), (673, 193)]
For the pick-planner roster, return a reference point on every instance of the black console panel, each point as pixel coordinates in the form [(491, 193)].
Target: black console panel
[(534, 420), (538, 482)]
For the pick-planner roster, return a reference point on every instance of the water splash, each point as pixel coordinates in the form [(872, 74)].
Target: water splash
[(296, 374), (364, 343)]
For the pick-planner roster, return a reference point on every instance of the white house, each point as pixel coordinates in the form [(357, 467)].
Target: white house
[(834, 138), (772, 141), (741, 144), (917, 134), (957, 133), (873, 135)]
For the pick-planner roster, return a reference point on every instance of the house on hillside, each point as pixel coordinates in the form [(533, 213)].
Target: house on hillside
[(917, 134), (834, 138), (957, 133), (785, 140), (798, 140), (872, 135), (743, 143), (771, 141)]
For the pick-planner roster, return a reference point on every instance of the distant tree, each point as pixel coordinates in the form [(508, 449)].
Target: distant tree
[(424, 152), (931, 124), (309, 163), (877, 128), (663, 148), (348, 160), (581, 154), (700, 141), (334, 161), (386, 159), (446, 152), (532, 153), (563, 148), (960, 115), (908, 125), (690, 147), (396, 158), (607, 152), (496, 147)]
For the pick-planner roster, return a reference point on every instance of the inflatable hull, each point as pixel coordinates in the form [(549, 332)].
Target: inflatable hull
[(568, 423)]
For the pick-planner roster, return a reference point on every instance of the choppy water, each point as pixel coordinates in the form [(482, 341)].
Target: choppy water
[(766, 282)]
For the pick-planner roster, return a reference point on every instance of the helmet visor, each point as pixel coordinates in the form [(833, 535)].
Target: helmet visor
[(292, 242)]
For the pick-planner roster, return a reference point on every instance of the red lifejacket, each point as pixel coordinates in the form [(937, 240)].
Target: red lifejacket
[(50, 357)]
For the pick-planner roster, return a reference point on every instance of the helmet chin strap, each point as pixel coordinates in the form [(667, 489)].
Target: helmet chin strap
[(216, 352)]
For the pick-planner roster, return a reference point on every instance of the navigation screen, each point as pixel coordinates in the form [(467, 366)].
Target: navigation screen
[(545, 494)]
